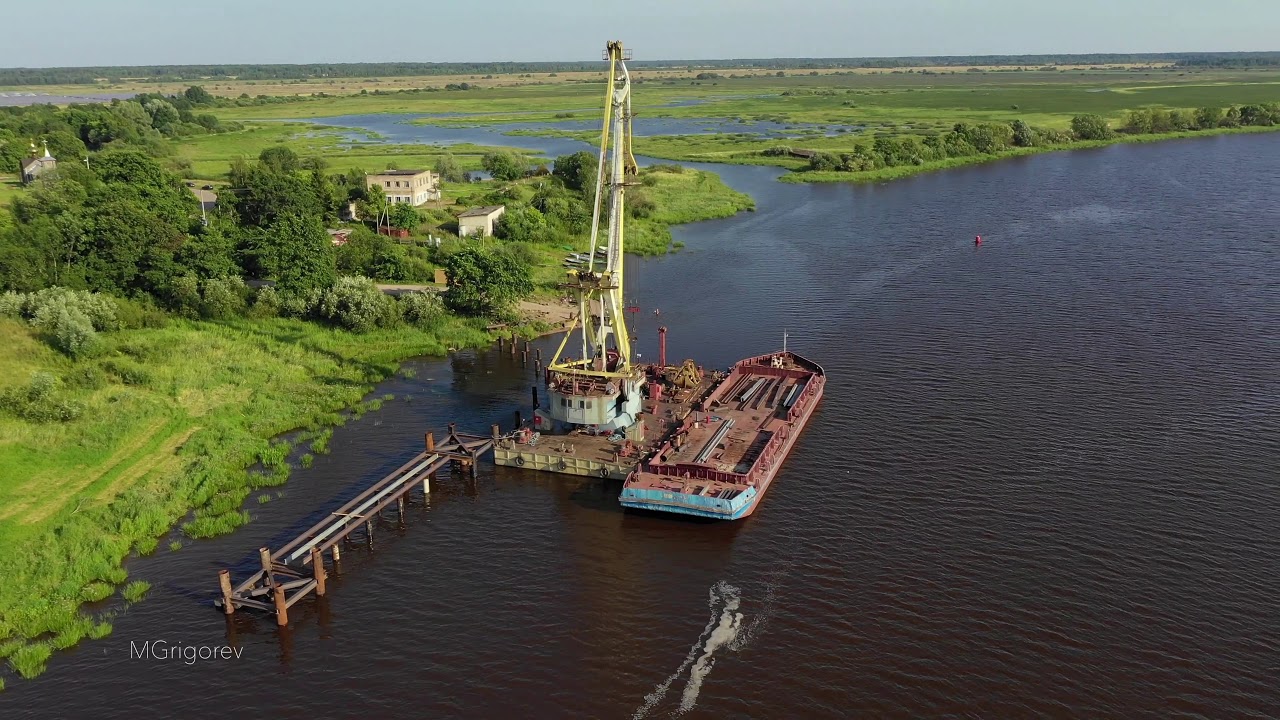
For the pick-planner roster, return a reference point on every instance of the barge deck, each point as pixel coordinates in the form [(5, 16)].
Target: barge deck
[(719, 463)]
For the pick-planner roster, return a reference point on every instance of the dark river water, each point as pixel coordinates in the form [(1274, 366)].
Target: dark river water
[(1044, 482)]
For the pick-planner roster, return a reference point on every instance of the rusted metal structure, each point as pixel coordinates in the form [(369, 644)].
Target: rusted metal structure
[(285, 578), (720, 462)]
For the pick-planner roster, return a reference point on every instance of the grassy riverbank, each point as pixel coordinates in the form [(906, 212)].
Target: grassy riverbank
[(904, 171), (172, 418)]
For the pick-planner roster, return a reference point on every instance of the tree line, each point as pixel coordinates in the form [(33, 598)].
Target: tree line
[(145, 122), (976, 139), (312, 71)]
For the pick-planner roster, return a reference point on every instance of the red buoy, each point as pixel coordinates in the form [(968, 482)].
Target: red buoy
[(977, 240)]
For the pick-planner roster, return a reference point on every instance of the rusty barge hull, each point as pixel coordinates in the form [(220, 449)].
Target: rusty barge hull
[(720, 462)]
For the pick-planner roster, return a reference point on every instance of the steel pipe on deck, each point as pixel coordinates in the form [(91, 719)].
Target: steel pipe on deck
[(713, 442)]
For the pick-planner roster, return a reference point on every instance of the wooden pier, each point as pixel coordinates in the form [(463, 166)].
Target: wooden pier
[(285, 578)]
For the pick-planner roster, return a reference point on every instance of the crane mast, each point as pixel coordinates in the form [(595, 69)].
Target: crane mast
[(601, 388)]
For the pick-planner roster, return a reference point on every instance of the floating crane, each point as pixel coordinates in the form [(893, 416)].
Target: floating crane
[(601, 388)]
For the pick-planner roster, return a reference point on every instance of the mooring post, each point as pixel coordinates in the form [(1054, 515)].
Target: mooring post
[(224, 579), (513, 343), (537, 368), (337, 554), (535, 397), (317, 569), (524, 357), (431, 448), (499, 343), (526, 346), (537, 353), (282, 608), (451, 430), (277, 592)]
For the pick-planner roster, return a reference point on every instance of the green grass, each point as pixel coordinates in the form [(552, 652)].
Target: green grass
[(175, 546), (29, 660), (321, 443), (79, 496), (134, 591), (211, 155), (680, 197)]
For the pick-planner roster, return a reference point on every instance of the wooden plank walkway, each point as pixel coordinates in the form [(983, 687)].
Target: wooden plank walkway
[(284, 578)]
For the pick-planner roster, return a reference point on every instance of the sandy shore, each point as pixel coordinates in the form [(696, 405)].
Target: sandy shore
[(556, 314)]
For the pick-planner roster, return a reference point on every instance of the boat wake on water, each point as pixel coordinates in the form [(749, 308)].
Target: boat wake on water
[(724, 629)]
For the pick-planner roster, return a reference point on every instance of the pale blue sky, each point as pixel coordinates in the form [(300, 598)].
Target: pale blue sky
[(147, 32)]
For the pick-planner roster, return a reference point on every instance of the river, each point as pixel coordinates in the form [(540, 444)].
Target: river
[(1043, 483)]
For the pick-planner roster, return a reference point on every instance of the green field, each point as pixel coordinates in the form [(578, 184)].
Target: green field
[(211, 155), (866, 104)]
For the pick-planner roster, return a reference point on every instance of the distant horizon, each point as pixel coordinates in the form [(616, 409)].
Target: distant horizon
[(143, 33), (642, 60)]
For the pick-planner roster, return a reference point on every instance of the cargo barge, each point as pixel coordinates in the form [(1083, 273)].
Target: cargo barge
[(724, 456), (682, 440)]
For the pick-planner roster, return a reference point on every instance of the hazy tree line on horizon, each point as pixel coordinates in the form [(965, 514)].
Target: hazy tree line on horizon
[(310, 71)]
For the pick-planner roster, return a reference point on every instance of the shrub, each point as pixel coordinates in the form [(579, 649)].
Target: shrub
[(1090, 127), (639, 204), (183, 295), (223, 297), (266, 303), (140, 313), (38, 401), (99, 309), (67, 329), (421, 309), (11, 304), (355, 303), (300, 305)]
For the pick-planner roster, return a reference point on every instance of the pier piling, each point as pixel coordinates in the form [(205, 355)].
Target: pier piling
[(284, 579), (535, 397), (524, 357), (317, 570), (224, 580)]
